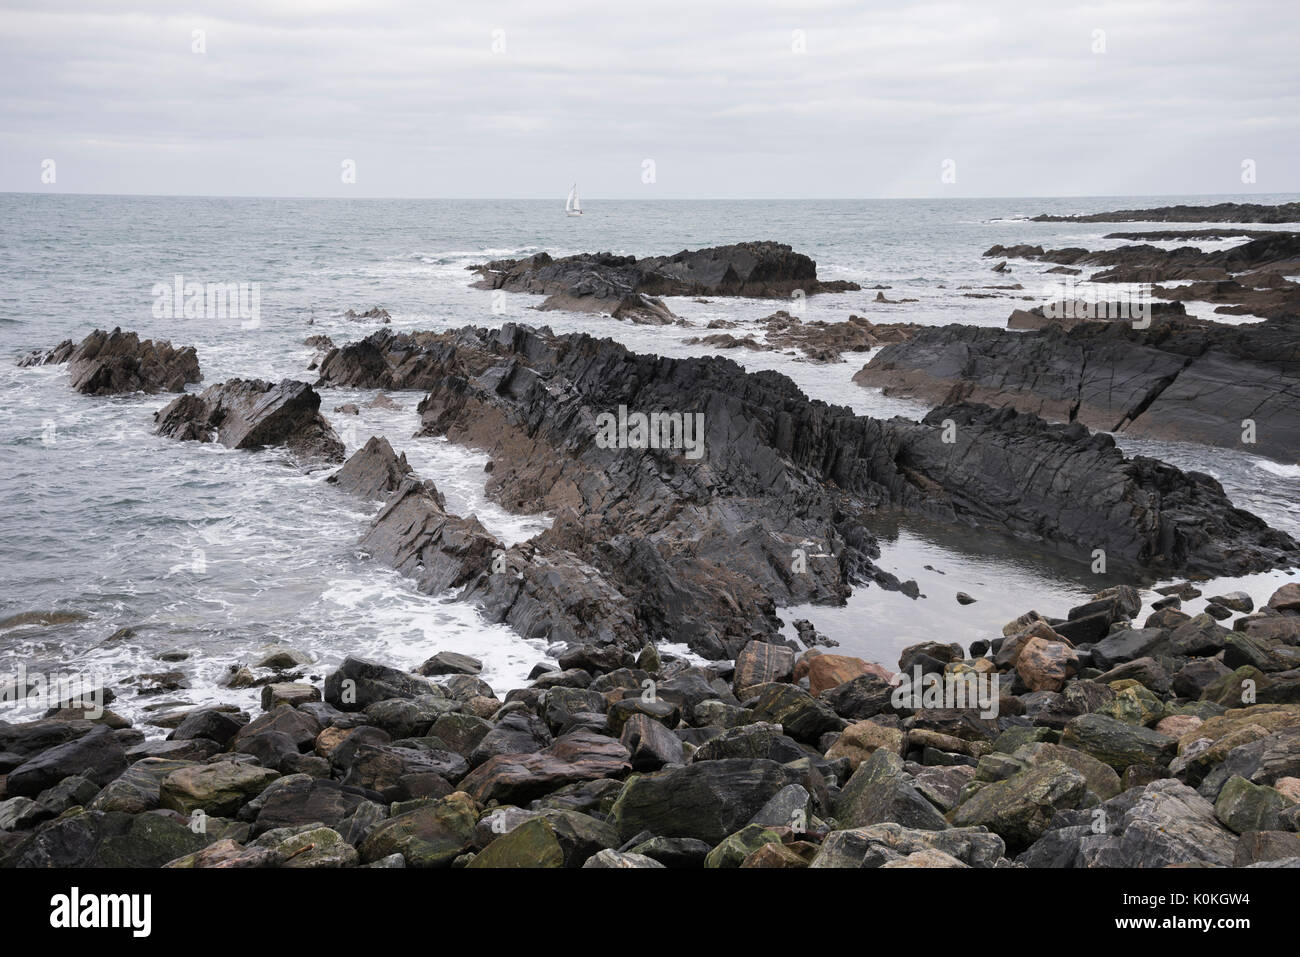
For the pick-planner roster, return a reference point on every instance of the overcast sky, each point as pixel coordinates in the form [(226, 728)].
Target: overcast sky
[(819, 98)]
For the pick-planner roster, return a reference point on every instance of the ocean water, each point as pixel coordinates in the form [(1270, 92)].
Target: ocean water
[(218, 553)]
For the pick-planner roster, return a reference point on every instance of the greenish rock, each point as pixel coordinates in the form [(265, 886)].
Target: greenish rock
[(1133, 703), (1012, 738), (584, 796), (1232, 690), (220, 788), (138, 788), (429, 836), (706, 801), (674, 851), (803, 717), (20, 813), (648, 660), (880, 791), (1117, 743), (1020, 808), (736, 847), (150, 840), (1243, 806), (998, 767), (659, 709), (310, 847), (461, 732), (1102, 779), (531, 844)]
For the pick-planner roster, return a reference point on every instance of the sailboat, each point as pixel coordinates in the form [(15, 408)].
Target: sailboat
[(572, 205)]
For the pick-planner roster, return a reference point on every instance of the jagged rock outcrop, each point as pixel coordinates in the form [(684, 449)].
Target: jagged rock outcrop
[(628, 287), (1180, 381), (373, 472), (117, 363), (769, 508), (1061, 484), (251, 413)]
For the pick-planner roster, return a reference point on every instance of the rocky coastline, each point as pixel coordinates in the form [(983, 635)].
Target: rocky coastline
[(1091, 740), (1091, 736)]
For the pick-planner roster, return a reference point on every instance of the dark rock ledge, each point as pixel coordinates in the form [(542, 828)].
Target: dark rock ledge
[(648, 545), (629, 288), (1178, 380)]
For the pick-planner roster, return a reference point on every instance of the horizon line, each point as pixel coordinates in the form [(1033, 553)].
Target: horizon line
[(687, 199)]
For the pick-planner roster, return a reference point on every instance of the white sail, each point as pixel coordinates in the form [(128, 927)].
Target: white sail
[(572, 205)]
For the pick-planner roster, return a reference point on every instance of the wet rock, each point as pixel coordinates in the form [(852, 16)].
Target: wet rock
[(880, 791), (860, 739), (878, 844), (372, 472), (107, 839), (138, 788), (533, 844), (650, 744), (707, 800), (1141, 511), (360, 682), (310, 848), (1286, 598), (217, 789), (760, 739), (1110, 376), (760, 662), (516, 733), (450, 663), (117, 363), (1046, 665), (96, 755), (250, 414), (1243, 806), (577, 756), (431, 835), (735, 848), (625, 286), (1168, 823), (1116, 743), (611, 858), (209, 723), (292, 693), (803, 717), (1020, 808)]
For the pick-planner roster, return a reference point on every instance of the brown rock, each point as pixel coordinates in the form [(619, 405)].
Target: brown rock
[(1046, 665)]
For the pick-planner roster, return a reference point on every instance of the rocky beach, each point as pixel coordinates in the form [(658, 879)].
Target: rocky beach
[(684, 708)]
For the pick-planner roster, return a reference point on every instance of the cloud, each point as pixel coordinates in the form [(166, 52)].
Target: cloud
[(729, 98)]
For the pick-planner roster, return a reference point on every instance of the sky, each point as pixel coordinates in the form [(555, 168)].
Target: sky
[(649, 98)]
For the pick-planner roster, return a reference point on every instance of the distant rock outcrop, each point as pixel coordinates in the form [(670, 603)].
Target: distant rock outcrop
[(117, 363), (627, 287)]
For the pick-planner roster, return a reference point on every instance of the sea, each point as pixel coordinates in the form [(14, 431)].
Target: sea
[(124, 554)]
